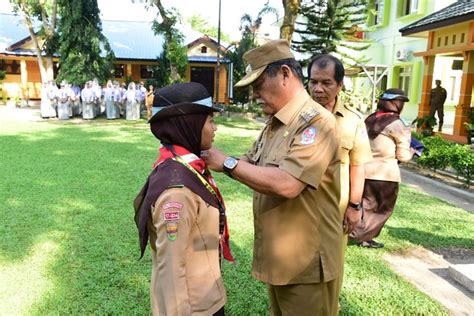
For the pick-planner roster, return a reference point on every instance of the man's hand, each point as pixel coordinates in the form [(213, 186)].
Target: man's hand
[(352, 218), (214, 159)]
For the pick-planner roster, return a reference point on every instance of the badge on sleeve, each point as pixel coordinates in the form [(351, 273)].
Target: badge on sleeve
[(171, 230), (308, 135)]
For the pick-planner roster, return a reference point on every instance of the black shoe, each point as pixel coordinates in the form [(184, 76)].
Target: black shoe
[(371, 244)]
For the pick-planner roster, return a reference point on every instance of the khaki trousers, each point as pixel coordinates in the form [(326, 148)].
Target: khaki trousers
[(304, 299)]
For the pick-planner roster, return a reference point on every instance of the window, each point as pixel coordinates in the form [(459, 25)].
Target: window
[(462, 38), (11, 67), (454, 39), (378, 19), (146, 71), (203, 49), (119, 70), (446, 41), (439, 41), (407, 7), (404, 79)]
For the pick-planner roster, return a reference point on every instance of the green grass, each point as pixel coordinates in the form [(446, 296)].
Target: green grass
[(69, 242)]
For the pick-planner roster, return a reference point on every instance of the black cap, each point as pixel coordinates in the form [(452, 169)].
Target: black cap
[(394, 94), (181, 99)]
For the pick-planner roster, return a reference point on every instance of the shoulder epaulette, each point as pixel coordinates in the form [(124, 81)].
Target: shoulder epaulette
[(308, 114), (353, 110)]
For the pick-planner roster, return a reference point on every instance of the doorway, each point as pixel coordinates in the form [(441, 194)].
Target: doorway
[(204, 76)]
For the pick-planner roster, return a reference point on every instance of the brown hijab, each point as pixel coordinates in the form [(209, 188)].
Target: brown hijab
[(387, 112)]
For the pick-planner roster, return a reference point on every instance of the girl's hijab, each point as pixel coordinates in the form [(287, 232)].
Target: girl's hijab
[(387, 113), (184, 130)]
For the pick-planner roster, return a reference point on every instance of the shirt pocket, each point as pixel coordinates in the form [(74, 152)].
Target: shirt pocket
[(346, 147)]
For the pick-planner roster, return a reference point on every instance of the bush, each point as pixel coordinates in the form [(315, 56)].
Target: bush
[(436, 153), (462, 160), (440, 154)]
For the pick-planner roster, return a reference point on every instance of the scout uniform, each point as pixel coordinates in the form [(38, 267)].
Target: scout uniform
[(298, 241), (181, 213), (186, 280)]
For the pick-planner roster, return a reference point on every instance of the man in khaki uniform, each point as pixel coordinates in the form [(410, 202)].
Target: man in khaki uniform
[(293, 167), (438, 96), (326, 74)]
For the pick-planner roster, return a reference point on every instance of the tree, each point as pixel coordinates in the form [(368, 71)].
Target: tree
[(45, 39), (198, 23), (330, 26), (173, 59), (249, 28), (287, 28), (84, 50)]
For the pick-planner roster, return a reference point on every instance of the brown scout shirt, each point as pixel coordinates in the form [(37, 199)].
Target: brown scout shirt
[(355, 146), (299, 240), (389, 147), (184, 238)]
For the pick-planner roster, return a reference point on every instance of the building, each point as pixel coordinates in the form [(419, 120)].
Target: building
[(448, 56), (392, 62), (136, 49)]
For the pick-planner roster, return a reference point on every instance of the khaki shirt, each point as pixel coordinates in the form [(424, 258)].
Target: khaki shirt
[(389, 147), (184, 238), (299, 240), (355, 146)]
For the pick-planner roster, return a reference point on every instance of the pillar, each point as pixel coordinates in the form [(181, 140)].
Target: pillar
[(465, 97), (424, 106), (24, 80)]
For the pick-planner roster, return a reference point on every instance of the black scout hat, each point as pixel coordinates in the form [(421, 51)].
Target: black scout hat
[(259, 58), (394, 94), (181, 99)]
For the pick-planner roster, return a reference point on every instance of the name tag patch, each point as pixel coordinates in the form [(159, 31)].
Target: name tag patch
[(171, 215), (172, 205), (172, 231), (308, 135)]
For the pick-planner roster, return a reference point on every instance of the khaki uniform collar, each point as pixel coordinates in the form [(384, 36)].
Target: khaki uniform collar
[(287, 112), (338, 107)]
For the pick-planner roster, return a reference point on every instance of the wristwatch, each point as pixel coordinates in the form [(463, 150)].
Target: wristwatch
[(229, 165), (356, 206)]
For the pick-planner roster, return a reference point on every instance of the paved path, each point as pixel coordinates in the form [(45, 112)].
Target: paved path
[(458, 197)]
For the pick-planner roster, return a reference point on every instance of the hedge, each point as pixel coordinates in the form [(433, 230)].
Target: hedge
[(440, 154)]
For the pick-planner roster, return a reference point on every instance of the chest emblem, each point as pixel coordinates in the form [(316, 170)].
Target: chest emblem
[(308, 135)]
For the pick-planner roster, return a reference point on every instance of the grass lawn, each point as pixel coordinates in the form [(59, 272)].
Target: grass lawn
[(69, 242)]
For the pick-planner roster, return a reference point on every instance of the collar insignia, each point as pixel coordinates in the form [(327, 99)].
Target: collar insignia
[(309, 114)]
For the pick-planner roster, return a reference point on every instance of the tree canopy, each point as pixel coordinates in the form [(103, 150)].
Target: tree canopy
[(249, 27), (85, 52), (173, 59), (331, 26), (45, 38), (198, 23)]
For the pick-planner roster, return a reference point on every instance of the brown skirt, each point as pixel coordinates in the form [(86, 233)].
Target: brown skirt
[(378, 201)]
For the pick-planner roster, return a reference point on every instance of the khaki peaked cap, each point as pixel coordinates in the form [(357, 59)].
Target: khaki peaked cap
[(259, 58)]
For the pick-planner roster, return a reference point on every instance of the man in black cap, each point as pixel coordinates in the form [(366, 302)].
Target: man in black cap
[(293, 168), (438, 96)]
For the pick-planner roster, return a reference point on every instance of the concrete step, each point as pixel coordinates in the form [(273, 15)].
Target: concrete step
[(463, 274)]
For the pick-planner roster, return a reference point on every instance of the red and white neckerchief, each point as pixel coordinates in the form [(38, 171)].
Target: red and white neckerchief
[(200, 166)]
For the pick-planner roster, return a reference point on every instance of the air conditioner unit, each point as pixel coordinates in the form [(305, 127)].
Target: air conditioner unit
[(402, 54)]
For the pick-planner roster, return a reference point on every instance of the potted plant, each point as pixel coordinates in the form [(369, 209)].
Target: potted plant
[(425, 124)]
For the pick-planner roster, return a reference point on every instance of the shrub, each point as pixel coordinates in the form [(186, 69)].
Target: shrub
[(462, 160), (436, 155)]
